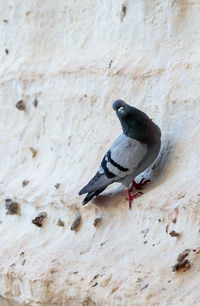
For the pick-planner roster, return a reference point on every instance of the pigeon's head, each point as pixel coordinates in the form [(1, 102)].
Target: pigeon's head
[(135, 123), (122, 109), (117, 104)]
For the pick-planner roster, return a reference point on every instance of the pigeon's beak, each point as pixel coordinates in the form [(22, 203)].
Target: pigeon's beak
[(121, 110)]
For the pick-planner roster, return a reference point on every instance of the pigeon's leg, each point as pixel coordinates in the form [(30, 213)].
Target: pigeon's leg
[(130, 197), (138, 186)]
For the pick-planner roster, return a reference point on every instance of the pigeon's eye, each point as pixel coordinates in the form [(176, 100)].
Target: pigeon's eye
[(121, 110)]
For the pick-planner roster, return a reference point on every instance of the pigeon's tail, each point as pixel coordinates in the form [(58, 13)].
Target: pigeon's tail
[(91, 195), (99, 181)]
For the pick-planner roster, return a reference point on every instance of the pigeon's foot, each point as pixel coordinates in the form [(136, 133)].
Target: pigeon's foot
[(130, 197), (140, 185)]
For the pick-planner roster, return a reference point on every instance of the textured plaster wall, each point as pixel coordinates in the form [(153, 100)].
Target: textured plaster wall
[(76, 58)]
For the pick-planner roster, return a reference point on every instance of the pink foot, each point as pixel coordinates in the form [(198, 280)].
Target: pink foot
[(130, 197), (140, 185)]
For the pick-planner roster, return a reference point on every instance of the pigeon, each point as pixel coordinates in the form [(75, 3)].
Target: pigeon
[(131, 153)]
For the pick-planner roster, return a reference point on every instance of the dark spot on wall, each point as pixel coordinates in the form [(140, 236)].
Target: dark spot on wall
[(38, 221), (35, 102), (60, 222), (76, 223), (25, 183), (33, 151), (12, 207), (97, 221), (20, 105), (123, 12)]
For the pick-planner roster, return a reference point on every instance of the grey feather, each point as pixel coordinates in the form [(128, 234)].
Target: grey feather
[(128, 153), (91, 195), (97, 182)]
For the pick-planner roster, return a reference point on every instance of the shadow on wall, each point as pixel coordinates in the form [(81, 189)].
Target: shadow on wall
[(158, 169), (109, 199)]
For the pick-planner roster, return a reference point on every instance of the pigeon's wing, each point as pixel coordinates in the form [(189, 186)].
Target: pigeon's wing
[(122, 159), (125, 156)]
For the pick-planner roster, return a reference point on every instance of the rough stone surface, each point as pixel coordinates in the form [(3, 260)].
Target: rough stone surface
[(75, 58)]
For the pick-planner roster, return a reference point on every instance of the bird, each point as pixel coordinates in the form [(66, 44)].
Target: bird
[(131, 153)]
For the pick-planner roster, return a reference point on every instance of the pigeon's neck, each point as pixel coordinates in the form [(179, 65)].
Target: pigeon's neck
[(143, 130)]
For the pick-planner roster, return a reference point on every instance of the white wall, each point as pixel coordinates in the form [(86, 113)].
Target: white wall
[(76, 58)]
